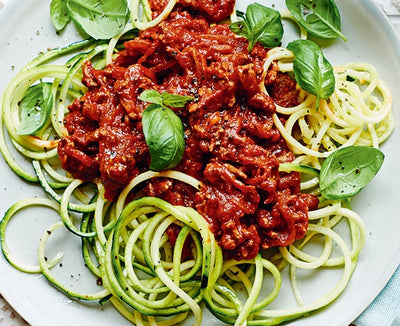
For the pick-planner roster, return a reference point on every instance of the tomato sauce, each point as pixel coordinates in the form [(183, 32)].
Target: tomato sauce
[(212, 10), (232, 145)]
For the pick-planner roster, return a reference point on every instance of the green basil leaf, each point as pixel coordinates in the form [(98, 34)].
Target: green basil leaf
[(320, 18), (164, 134), (35, 108), (99, 19), (175, 100), (260, 24), (312, 70), (241, 14), (165, 99), (346, 171), (151, 96), (241, 28), (59, 14)]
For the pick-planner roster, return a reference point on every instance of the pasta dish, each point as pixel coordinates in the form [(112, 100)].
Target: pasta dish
[(197, 157)]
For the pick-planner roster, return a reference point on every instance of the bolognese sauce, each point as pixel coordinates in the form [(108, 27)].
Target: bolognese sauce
[(232, 145)]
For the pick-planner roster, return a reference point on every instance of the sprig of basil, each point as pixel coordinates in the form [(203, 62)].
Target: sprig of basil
[(99, 19), (259, 24), (348, 170), (35, 108), (312, 70), (163, 129), (320, 18)]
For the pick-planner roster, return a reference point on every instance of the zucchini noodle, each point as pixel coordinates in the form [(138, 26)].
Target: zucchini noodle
[(285, 13), (137, 10), (357, 113), (125, 245)]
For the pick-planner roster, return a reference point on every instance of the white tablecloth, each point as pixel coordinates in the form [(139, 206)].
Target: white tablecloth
[(8, 317)]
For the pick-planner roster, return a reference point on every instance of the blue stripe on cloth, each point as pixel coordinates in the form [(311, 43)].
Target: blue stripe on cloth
[(385, 309)]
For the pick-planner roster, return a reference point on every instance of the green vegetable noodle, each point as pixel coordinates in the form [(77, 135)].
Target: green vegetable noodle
[(348, 170)]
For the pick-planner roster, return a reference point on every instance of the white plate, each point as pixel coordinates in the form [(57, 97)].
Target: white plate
[(26, 30)]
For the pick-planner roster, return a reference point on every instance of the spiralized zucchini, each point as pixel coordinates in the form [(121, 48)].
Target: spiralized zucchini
[(357, 113)]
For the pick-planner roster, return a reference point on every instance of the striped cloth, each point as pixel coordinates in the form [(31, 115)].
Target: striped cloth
[(385, 309)]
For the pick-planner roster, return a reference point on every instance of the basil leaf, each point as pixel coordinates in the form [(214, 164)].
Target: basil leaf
[(151, 96), (346, 171), (59, 14), (312, 70), (320, 18), (259, 24), (163, 131), (99, 19), (241, 28), (35, 109), (175, 100), (165, 99)]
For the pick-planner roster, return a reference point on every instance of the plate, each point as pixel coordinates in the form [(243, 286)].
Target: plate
[(26, 30)]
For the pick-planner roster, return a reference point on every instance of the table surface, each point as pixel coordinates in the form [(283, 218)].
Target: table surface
[(8, 317)]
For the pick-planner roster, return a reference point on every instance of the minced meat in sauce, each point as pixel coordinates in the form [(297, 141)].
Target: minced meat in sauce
[(232, 145)]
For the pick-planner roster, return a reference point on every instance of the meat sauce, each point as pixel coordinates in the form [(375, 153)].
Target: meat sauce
[(232, 145)]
